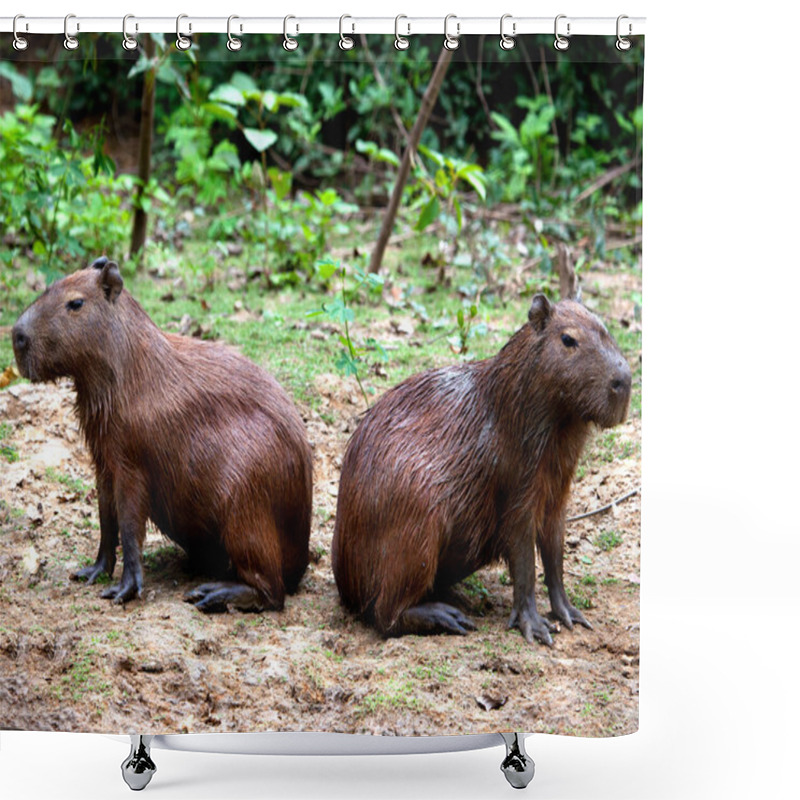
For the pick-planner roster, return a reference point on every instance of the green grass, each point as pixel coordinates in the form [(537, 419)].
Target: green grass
[(608, 540), (8, 452), (82, 678), (397, 694), (73, 484)]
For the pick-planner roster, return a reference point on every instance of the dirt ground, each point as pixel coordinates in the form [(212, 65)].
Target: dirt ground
[(70, 660)]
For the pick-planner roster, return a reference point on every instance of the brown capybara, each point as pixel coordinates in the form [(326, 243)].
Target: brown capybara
[(184, 432), (461, 466)]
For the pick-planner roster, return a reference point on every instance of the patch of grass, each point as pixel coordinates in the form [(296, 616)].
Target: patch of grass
[(579, 598), (441, 672), (608, 540), (8, 452), (160, 557), (82, 678), (397, 694), (73, 484), (473, 587)]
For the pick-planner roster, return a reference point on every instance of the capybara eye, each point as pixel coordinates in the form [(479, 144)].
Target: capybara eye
[(74, 305), (568, 340)]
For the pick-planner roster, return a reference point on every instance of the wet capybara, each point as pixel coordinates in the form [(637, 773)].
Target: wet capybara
[(184, 432), (461, 466)]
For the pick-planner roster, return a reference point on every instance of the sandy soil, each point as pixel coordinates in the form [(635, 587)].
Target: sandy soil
[(72, 661)]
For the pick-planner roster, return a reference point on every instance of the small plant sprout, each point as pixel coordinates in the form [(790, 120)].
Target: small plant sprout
[(351, 358)]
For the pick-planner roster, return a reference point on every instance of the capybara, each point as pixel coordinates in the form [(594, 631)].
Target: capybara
[(461, 466), (187, 433)]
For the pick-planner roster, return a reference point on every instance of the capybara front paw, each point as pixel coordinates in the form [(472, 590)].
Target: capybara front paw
[(532, 625), (569, 615), (121, 592), (89, 574)]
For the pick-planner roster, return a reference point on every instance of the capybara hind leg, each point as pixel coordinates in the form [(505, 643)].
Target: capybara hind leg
[(431, 618), (216, 597)]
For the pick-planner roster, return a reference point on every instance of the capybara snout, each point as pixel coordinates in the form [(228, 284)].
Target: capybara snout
[(186, 433)]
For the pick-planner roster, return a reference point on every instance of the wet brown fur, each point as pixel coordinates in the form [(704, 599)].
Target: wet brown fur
[(187, 433), (458, 467)]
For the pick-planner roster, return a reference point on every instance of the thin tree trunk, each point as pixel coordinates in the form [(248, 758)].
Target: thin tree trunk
[(428, 102), (139, 234)]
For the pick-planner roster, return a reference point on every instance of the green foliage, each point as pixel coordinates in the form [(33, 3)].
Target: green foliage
[(468, 328), (352, 357), (8, 452), (608, 540), (61, 198), (527, 153)]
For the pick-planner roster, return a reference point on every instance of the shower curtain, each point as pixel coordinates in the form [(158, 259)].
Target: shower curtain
[(347, 213)]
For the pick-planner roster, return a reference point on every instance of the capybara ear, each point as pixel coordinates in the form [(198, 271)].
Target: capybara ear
[(111, 281), (539, 312), (99, 263)]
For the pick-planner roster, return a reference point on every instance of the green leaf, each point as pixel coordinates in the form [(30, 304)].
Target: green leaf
[(221, 111), (429, 213), (377, 153), (281, 182), (228, 95), (437, 158), (260, 140), (372, 343), (244, 83), (20, 85), (457, 209), (477, 180), (327, 268), (347, 364)]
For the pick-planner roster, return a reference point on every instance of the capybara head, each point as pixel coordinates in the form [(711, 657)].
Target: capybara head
[(71, 326), (580, 364)]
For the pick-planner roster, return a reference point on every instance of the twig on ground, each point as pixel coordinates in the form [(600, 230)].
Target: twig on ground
[(606, 507)]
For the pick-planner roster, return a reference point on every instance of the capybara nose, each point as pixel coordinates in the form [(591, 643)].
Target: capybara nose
[(20, 339), (621, 382)]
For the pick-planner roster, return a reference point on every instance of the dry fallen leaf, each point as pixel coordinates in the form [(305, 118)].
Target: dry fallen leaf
[(8, 375)]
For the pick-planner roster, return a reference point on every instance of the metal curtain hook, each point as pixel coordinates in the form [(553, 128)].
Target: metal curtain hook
[(70, 42), (452, 42), (346, 42), (400, 42), (562, 42), (182, 42), (128, 42), (507, 42), (623, 43), (233, 43), (20, 42), (289, 44)]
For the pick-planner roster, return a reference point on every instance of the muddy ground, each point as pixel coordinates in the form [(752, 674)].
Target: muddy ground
[(70, 660)]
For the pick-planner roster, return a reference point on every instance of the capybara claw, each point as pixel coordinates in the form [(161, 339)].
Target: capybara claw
[(88, 574), (569, 615), (436, 618), (119, 594), (211, 598), (532, 626)]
